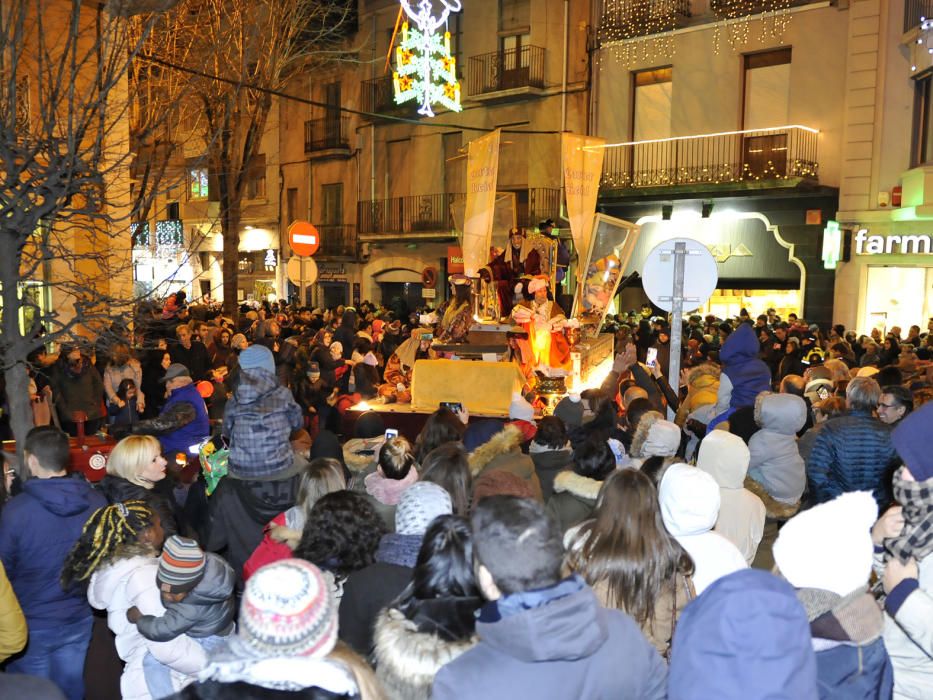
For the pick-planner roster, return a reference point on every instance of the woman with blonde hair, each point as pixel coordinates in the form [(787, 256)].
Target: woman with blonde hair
[(136, 471), (321, 477)]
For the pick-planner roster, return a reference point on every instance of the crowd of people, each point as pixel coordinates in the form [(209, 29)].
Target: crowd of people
[(760, 526)]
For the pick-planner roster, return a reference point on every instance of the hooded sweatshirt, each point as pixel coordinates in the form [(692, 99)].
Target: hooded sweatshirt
[(689, 499), (741, 520), (776, 463), (747, 374), (552, 644), (259, 420), (38, 528), (746, 637)]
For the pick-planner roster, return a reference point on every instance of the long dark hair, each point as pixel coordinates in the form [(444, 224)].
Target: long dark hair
[(342, 533), (441, 426), (448, 467), (627, 548)]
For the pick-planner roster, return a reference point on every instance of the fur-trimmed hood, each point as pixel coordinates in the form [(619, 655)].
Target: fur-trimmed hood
[(407, 660), (655, 436), (579, 486), (506, 440), (780, 413), (703, 376), (773, 507)]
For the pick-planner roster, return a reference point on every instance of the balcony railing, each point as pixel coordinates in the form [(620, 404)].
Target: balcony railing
[(915, 12), (414, 214), (431, 213), (779, 153), (337, 240), (327, 133), (505, 70), (629, 19)]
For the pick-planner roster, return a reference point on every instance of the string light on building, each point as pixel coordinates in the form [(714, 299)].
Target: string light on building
[(425, 69), (736, 16), (635, 31)]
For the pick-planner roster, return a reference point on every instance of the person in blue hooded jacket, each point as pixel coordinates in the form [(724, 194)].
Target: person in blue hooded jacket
[(38, 528), (745, 637), (744, 374), (541, 635)]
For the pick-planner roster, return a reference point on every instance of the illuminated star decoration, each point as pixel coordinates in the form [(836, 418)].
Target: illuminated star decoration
[(425, 70)]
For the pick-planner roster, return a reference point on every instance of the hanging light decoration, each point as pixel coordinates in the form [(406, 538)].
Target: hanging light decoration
[(634, 31), (736, 24)]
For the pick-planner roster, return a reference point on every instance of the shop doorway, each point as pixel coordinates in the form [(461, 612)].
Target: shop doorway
[(333, 294), (727, 303), (402, 297), (897, 296)]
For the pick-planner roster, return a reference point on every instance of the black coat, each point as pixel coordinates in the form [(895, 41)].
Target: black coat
[(365, 593), (116, 489)]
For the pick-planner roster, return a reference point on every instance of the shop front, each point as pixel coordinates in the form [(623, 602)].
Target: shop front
[(886, 279)]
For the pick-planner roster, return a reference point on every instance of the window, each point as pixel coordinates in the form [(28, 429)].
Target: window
[(197, 183), (454, 162), (767, 89), (256, 177), (654, 93), (514, 15), (332, 204), (454, 24), (922, 145), (291, 204)]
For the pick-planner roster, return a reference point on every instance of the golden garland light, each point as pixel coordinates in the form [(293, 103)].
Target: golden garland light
[(640, 30), (736, 16)]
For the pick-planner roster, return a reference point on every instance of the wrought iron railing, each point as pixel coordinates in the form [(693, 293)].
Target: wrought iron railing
[(326, 133), (417, 213), (543, 203), (916, 12), (778, 153), (629, 19), (337, 240), (505, 70), (730, 9)]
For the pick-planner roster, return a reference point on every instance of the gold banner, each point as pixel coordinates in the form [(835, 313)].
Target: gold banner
[(583, 166), (482, 172)]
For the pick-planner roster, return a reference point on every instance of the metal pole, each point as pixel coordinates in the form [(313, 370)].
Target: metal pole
[(677, 312), (301, 282)]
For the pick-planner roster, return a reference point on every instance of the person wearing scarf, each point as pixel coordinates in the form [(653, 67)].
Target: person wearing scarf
[(401, 364), (903, 539), (517, 260)]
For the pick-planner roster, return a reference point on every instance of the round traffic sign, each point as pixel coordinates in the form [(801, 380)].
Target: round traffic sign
[(303, 238), (700, 274), (301, 270)]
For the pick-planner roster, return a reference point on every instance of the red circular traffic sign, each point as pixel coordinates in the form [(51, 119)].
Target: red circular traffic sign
[(303, 238)]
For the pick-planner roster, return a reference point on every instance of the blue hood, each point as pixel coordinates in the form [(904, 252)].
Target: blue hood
[(746, 636), (255, 384), (62, 495), (741, 345)]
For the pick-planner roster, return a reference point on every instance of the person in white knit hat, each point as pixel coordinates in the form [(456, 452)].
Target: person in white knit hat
[(654, 437), (689, 500), (826, 554)]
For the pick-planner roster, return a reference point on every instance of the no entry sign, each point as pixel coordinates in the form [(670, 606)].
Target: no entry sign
[(303, 238)]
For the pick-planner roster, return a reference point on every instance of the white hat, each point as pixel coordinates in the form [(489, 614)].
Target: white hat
[(419, 505), (520, 409), (829, 547), (689, 499), (663, 440)]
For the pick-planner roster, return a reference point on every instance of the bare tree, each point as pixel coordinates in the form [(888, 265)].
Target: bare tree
[(65, 201), (235, 55)]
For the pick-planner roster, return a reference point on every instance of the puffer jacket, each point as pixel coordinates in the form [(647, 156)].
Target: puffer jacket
[(702, 390), (407, 659), (573, 500), (503, 451), (852, 452), (741, 520), (258, 421), (775, 461), (748, 374), (206, 611), (12, 622), (132, 582)]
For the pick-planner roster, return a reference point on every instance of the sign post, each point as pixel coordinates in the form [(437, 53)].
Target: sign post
[(304, 240), (679, 275)]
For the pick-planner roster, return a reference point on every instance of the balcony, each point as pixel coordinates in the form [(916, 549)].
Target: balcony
[(916, 12), (431, 215), (778, 157), (328, 137), (378, 97), (630, 19), (417, 214), (505, 75), (337, 241)]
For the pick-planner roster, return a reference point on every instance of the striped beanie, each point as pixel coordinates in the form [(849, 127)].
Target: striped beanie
[(288, 609), (181, 566)]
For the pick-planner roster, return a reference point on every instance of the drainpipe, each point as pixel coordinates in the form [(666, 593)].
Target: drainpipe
[(563, 94)]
